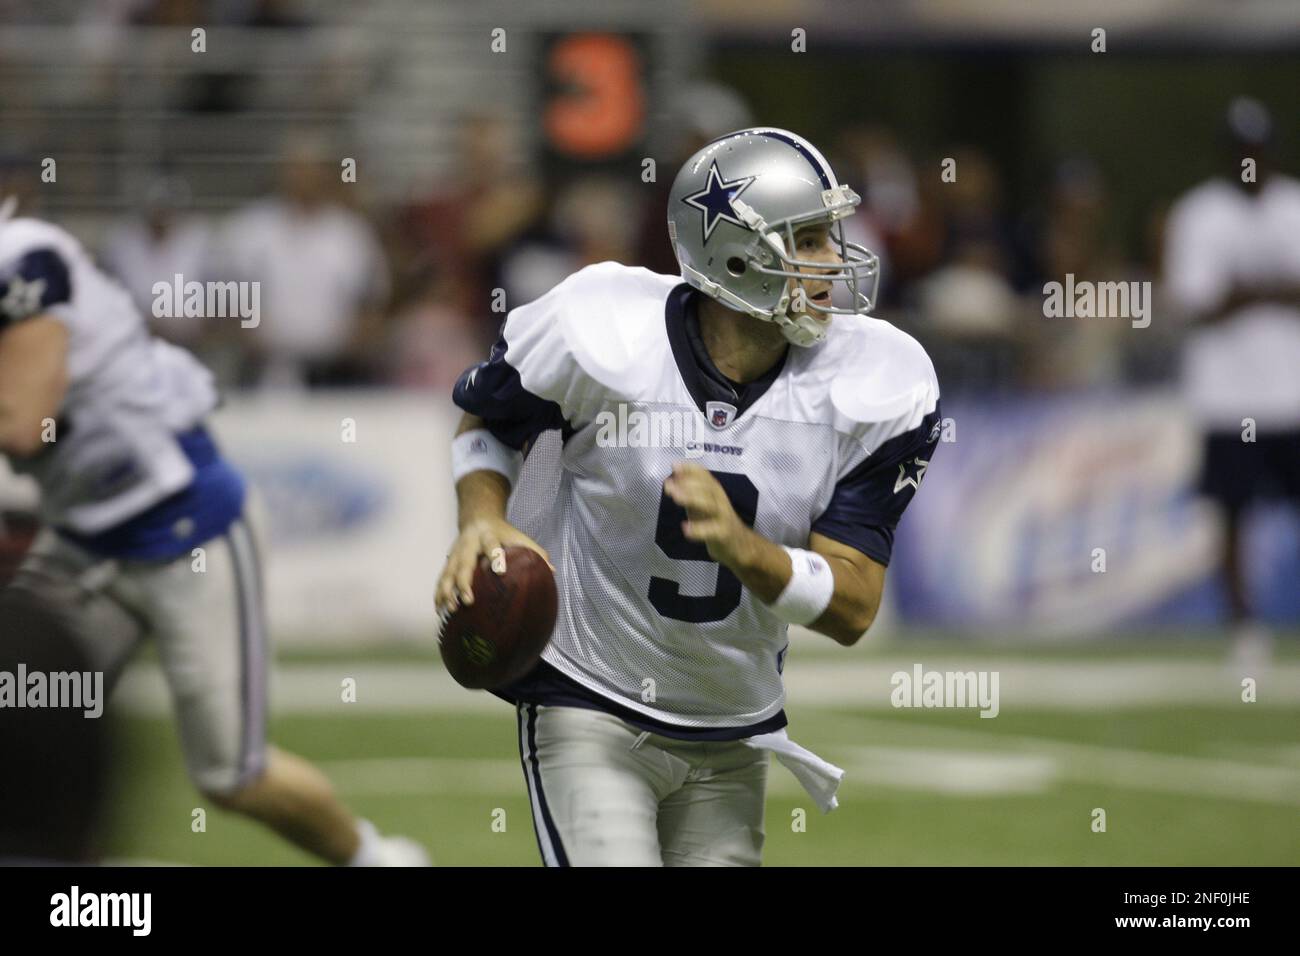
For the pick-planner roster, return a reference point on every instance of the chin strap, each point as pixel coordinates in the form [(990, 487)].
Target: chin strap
[(797, 333)]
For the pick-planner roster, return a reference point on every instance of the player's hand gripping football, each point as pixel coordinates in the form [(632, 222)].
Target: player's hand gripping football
[(483, 536), (711, 520)]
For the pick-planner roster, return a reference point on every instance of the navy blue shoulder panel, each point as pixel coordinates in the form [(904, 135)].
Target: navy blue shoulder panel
[(492, 391), (31, 284), (868, 502)]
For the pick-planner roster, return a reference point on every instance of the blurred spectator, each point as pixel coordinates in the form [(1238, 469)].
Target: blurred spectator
[(969, 301), (432, 341), (1232, 261), (976, 226), (164, 13), (969, 298), (884, 176), (970, 320), (877, 167), (19, 184), (278, 14), (156, 244), (594, 219), (861, 228), (916, 244), (323, 276), (235, 89), (488, 203), (1074, 238)]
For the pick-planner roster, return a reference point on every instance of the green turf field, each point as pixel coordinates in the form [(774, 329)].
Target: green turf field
[(1154, 733)]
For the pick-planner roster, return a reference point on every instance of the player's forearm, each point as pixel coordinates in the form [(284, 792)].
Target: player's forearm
[(20, 436), (762, 565), (20, 426), (853, 605), (33, 382), (764, 568), (480, 494)]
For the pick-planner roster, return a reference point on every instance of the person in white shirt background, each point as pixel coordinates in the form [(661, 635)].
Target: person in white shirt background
[(323, 274), (155, 244), (1232, 264)]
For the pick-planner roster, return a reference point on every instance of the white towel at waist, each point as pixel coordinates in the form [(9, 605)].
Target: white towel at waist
[(819, 778)]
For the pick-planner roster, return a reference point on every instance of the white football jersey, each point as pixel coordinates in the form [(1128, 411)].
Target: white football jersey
[(835, 439), (115, 453)]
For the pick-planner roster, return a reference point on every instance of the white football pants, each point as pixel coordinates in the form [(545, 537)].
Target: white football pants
[(209, 626), (606, 794)]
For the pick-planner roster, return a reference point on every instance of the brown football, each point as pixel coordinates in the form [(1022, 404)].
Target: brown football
[(498, 638)]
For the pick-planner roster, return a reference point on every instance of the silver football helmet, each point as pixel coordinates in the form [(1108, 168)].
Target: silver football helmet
[(732, 215)]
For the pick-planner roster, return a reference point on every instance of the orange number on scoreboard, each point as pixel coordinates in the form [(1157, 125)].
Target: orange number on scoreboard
[(602, 106)]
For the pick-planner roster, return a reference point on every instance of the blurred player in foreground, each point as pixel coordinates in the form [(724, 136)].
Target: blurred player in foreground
[(1233, 263), (52, 811), (791, 433), (110, 423)]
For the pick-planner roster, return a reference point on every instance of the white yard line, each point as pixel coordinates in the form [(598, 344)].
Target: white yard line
[(1029, 766), (905, 768), (1056, 685), (1085, 763), (396, 688), (424, 776)]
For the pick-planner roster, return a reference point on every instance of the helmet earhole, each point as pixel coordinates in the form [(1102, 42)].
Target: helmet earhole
[(736, 266)]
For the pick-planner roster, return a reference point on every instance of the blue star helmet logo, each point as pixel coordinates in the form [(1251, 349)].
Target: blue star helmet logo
[(714, 200)]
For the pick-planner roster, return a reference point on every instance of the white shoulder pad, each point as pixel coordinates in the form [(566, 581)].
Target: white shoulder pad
[(883, 383), (586, 340), (20, 236)]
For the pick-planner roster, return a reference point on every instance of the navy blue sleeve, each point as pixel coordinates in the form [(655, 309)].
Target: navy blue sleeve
[(31, 284), (868, 501), (492, 391)]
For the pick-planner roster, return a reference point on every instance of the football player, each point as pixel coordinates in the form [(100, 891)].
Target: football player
[(646, 728), (110, 423)]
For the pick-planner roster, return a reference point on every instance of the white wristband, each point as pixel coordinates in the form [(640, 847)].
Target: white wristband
[(480, 450), (809, 592)]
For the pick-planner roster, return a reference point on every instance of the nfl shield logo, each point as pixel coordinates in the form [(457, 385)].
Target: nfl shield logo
[(720, 414)]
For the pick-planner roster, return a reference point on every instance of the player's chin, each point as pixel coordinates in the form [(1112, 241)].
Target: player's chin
[(816, 304)]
